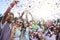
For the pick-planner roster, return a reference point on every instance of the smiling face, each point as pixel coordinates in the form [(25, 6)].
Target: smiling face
[(10, 17)]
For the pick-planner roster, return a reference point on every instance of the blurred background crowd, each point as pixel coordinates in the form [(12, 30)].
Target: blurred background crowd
[(22, 29)]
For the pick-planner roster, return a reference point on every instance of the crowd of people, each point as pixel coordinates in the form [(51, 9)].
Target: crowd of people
[(21, 29)]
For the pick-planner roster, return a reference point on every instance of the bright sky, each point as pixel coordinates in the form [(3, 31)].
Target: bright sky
[(47, 9)]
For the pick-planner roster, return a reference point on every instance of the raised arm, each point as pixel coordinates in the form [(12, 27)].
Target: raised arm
[(8, 10), (22, 15), (27, 17)]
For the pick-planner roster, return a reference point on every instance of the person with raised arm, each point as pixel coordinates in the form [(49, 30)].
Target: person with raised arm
[(6, 22)]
